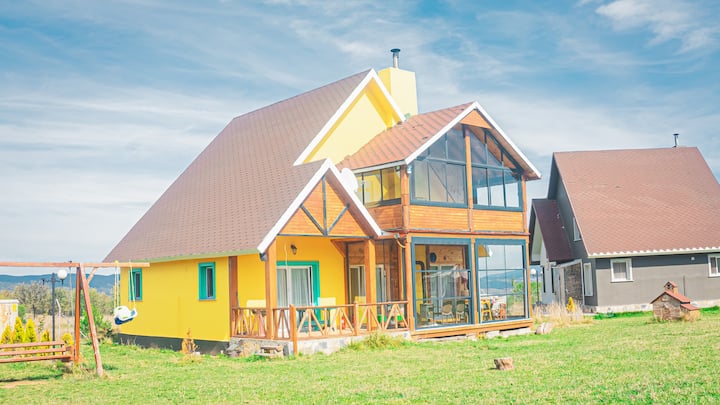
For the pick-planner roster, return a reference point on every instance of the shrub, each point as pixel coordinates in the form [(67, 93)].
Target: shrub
[(377, 341), (571, 305), (189, 348), (68, 339), (45, 336), (7, 335), (19, 332), (30, 332)]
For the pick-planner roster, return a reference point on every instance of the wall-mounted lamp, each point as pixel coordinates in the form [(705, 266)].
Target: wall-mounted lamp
[(294, 249)]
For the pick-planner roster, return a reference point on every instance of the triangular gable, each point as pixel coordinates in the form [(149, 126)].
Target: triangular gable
[(326, 212), (340, 196), (484, 119), (368, 110)]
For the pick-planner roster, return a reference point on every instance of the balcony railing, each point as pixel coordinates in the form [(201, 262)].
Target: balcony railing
[(318, 322)]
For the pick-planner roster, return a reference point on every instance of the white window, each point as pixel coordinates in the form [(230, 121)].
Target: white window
[(587, 280), (714, 265), (576, 231), (621, 270)]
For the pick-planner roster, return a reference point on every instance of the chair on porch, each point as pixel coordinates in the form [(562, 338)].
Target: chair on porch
[(327, 316), (460, 313), (446, 313)]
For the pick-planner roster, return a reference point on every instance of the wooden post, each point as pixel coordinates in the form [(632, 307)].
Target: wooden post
[(292, 329), (468, 176), (370, 272), (356, 318), (91, 322), (409, 274), (270, 288), (76, 354), (233, 293)]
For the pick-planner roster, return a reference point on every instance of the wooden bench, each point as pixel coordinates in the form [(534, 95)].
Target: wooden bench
[(35, 351)]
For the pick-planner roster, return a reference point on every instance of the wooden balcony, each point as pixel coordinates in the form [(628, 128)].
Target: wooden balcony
[(319, 322)]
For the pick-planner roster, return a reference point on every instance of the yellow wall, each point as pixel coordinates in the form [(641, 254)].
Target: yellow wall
[(402, 87), (366, 117), (170, 302), (170, 291)]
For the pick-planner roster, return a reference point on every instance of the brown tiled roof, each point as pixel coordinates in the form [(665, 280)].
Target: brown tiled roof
[(401, 143), (553, 232), (677, 296), (689, 307), (239, 187), (643, 201)]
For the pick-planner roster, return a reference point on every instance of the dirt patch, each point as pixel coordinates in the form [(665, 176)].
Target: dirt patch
[(14, 384)]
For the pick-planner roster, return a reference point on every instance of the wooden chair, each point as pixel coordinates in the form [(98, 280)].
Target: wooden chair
[(460, 313), (486, 310), (446, 313)]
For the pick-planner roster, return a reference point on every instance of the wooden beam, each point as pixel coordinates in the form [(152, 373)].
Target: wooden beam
[(91, 322), (73, 264), (270, 288)]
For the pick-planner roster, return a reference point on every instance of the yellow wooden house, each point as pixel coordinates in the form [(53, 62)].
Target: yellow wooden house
[(336, 213)]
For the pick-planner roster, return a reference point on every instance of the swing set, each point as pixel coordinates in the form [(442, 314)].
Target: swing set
[(121, 313), (82, 289)]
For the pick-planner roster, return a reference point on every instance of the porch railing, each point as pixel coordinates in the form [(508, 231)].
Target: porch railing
[(317, 322)]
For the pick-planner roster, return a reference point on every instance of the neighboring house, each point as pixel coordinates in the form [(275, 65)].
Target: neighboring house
[(617, 224), (333, 214)]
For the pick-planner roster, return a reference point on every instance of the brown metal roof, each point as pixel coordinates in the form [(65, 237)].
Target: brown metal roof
[(642, 201), (400, 141), (553, 232), (239, 187), (405, 140)]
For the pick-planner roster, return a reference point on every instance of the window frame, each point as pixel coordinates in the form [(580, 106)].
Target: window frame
[(135, 288), (428, 157), (587, 280), (576, 231), (628, 264), (487, 166), (395, 171), (716, 259), (203, 282)]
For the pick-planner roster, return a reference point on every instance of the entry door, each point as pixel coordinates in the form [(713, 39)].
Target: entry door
[(356, 283), (294, 286)]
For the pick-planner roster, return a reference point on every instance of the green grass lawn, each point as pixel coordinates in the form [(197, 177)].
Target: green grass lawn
[(623, 359)]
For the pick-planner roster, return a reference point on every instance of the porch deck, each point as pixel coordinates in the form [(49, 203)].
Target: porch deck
[(343, 324)]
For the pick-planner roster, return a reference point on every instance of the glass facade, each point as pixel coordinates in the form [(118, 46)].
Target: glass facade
[(439, 173)]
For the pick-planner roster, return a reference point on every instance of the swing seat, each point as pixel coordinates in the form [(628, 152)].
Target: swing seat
[(123, 314)]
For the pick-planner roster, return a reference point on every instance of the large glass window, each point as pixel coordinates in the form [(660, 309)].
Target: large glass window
[(501, 279), (496, 180), (442, 289), (379, 186), (438, 175)]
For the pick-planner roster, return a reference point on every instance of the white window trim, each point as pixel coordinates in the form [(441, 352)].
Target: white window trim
[(576, 231), (628, 262), (716, 257), (588, 290)]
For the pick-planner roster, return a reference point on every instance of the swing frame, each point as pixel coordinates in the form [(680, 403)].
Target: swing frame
[(82, 286)]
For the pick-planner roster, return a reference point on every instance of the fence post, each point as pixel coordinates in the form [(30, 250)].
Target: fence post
[(356, 318)]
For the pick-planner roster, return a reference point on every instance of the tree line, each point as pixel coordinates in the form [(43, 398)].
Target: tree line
[(35, 299)]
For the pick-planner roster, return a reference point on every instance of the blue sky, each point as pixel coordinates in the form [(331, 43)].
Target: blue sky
[(104, 103)]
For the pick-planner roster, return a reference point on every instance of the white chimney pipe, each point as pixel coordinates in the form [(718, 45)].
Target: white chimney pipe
[(396, 57)]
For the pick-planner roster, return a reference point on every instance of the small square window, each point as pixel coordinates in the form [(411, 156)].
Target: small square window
[(206, 280), (621, 270), (714, 265)]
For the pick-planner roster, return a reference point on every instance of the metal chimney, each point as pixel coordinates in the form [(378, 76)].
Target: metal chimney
[(396, 57), (676, 139)]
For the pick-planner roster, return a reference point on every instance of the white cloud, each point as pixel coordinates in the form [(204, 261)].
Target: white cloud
[(666, 19)]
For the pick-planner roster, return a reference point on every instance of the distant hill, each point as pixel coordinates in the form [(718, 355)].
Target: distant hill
[(102, 283)]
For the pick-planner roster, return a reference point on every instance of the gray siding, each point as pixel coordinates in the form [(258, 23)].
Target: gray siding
[(566, 215), (690, 272)]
